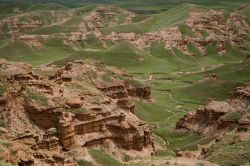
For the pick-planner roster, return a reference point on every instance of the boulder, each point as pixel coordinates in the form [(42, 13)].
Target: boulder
[(59, 157), (74, 102)]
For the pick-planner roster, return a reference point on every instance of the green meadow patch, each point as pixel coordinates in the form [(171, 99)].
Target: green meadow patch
[(104, 159)]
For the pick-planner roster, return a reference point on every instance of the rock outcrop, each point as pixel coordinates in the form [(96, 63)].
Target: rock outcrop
[(83, 104), (98, 18), (49, 142), (219, 30), (204, 28), (219, 116), (31, 40), (143, 92)]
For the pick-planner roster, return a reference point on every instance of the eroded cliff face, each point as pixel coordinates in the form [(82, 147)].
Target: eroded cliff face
[(205, 28), (226, 124), (83, 104), (104, 16), (23, 26), (199, 30), (18, 26), (220, 116)]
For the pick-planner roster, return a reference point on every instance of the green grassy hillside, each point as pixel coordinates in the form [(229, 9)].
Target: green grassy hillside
[(18, 51), (170, 18)]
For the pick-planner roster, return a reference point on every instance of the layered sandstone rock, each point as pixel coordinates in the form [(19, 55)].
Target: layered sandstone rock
[(217, 117), (83, 104), (49, 142), (66, 131), (219, 29), (143, 92), (74, 103), (31, 20), (98, 18)]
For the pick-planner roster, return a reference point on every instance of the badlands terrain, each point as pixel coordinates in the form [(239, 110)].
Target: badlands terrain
[(86, 83)]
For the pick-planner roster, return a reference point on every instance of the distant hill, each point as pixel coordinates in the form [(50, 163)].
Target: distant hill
[(138, 4)]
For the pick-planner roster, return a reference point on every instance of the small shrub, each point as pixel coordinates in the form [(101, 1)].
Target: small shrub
[(78, 86), (92, 74), (186, 30), (3, 163), (2, 90), (231, 116), (84, 163), (2, 124), (4, 142), (204, 34), (192, 48), (164, 153), (135, 83), (104, 159), (127, 158), (74, 110), (106, 78), (199, 164), (14, 153), (37, 97), (230, 151)]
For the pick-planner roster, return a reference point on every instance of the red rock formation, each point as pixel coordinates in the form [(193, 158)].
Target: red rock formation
[(217, 117), (141, 92), (80, 117), (49, 142), (66, 131), (219, 30), (74, 103)]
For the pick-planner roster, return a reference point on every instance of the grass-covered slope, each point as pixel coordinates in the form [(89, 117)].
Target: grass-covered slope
[(19, 51), (230, 147), (170, 18)]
